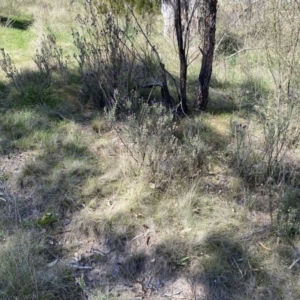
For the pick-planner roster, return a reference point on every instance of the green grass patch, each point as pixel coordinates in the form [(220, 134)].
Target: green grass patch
[(18, 43), (23, 129), (34, 94)]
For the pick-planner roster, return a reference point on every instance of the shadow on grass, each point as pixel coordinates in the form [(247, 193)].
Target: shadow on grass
[(51, 180), (21, 23), (56, 175), (219, 101), (228, 97), (219, 267), (240, 97), (33, 104), (232, 272), (24, 274)]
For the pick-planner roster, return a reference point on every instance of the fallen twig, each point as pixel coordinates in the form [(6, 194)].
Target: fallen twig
[(192, 284), (171, 295), (82, 267), (100, 252), (238, 268), (241, 50), (294, 262), (141, 235), (263, 246), (175, 295), (53, 263)]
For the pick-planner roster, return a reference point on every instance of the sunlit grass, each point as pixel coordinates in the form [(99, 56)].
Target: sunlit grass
[(18, 43)]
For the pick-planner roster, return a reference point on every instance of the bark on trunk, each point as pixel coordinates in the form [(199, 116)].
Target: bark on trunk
[(208, 54), (165, 90), (182, 55)]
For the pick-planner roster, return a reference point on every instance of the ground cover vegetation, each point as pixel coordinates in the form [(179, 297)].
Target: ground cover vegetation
[(109, 191)]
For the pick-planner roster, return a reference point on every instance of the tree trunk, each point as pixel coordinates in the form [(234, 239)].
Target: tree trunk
[(182, 55), (208, 54), (165, 90)]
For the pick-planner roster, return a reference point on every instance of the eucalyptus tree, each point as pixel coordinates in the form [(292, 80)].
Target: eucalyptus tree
[(190, 20), (187, 18)]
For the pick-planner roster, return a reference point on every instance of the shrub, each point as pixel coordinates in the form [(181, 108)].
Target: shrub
[(288, 216), (108, 58), (31, 87), (229, 44), (49, 58), (260, 152), (148, 135), (140, 6)]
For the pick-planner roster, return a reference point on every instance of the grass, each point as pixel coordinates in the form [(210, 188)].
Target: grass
[(18, 43), (24, 272), (167, 207), (22, 22)]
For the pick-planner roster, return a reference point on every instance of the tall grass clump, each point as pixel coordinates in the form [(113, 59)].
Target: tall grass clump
[(288, 217), (24, 273), (149, 135)]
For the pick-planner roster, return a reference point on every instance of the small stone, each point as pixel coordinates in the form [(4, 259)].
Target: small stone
[(77, 256)]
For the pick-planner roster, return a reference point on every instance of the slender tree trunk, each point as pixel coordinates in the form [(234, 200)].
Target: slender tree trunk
[(165, 90), (182, 54), (208, 54)]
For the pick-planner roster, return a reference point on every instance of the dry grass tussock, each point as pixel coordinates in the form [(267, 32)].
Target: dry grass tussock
[(25, 271)]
